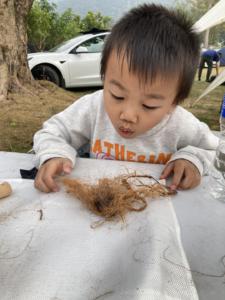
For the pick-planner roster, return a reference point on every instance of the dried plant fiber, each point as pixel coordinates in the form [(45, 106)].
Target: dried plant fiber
[(114, 197)]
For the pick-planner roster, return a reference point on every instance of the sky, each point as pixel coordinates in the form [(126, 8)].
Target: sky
[(112, 8)]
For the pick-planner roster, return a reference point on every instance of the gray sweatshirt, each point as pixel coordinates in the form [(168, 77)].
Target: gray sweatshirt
[(179, 135)]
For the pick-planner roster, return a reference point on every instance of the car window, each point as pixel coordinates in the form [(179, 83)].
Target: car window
[(94, 45), (67, 44)]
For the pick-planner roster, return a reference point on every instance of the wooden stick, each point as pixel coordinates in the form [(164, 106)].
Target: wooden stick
[(5, 190)]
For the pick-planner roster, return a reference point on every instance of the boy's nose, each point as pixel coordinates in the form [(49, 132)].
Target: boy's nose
[(129, 116)]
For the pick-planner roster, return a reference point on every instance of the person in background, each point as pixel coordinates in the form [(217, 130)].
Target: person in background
[(148, 65), (208, 57)]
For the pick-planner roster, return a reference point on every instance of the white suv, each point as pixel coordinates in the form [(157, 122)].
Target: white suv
[(74, 63)]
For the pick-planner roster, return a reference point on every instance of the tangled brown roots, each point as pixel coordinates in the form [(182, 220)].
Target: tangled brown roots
[(111, 198)]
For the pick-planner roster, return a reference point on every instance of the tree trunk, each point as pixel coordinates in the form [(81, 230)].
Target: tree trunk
[(206, 38), (14, 70), (207, 32)]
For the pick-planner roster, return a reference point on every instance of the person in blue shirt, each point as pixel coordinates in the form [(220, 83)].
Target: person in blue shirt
[(208, 57)]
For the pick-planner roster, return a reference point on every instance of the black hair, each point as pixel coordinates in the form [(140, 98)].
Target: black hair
[(155, 41)]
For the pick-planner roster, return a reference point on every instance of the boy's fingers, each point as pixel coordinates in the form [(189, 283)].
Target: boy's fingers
[(49, 174), (45, 179), (167, 171), (39, 184), (54, 169), (178, 175), (189, 181), (50, 183), (185, 183), (67, 166)]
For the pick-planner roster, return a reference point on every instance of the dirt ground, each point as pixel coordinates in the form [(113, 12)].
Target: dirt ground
[(23, 114)]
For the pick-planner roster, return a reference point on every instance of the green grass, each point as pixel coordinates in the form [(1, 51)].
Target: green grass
[(208, 108)]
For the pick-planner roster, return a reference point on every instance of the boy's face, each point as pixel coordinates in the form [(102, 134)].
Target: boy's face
[(133, 108)]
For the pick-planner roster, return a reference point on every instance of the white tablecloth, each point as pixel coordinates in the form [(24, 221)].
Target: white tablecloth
[(62, 257), (201, 218)]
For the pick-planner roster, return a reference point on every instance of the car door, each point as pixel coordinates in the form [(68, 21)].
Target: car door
[(84, 65)]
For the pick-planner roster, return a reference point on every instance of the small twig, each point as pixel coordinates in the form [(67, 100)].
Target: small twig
[(41, 214), (166, 188), (97, 224), (142, 176), (103, 295)]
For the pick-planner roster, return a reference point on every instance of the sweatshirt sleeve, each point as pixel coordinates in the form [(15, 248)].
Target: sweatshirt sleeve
[(201, 150), (63, 134)]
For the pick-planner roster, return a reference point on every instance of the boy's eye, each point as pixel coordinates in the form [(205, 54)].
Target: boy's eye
[(116, 97), (150, 107)]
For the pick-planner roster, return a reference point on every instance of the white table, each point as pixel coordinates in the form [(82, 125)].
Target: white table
[(202, 222)]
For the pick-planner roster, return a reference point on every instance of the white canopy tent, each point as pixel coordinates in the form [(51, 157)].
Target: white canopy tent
[(215, 16)]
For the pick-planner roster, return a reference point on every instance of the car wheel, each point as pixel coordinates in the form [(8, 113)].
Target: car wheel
[(43, 72)]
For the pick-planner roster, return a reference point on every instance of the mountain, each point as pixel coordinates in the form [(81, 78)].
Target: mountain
[(112, 8)]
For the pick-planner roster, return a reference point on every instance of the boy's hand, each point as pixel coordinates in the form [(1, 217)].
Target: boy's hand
[(45, 179), (185, 174)]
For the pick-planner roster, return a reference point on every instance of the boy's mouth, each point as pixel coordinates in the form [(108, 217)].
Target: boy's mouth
[(125, 132)]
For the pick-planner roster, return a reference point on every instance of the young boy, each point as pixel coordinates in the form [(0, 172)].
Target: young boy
[(148, 66)]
